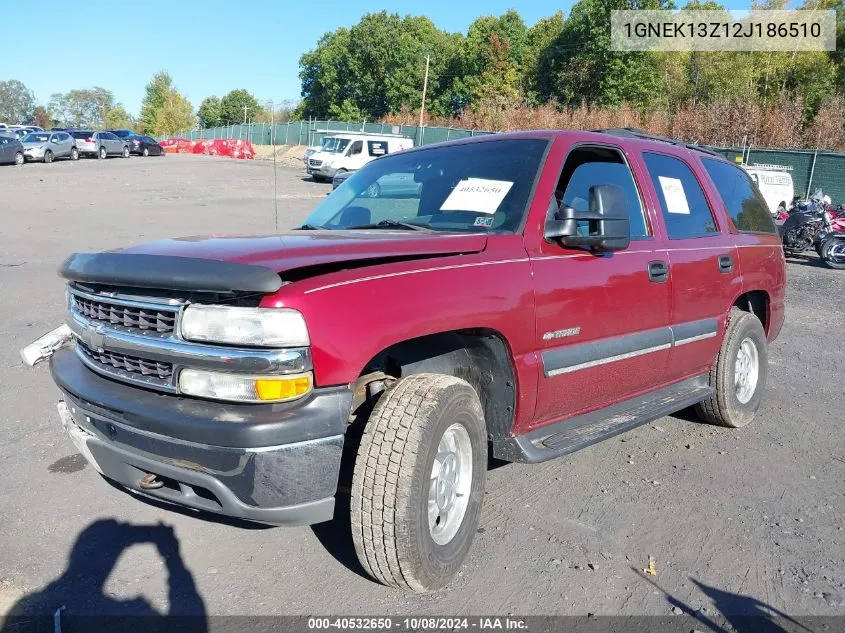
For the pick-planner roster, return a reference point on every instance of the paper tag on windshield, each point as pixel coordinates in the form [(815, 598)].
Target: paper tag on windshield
[(673, 193), (477, 194)]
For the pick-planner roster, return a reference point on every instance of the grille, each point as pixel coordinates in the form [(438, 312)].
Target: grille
[(315, 163), (129, 317), (132, 364)]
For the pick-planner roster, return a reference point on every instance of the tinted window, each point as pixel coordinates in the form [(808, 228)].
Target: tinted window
[(149, 140), (473, 187), (377, 148), (586, 167), (741, 198), (685, 209), (81, 135), (356, 148)]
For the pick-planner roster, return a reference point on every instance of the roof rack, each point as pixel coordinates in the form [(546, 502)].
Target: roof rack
[(632, 132)]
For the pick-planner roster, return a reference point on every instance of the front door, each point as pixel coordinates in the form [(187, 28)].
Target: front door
[(601, 320)]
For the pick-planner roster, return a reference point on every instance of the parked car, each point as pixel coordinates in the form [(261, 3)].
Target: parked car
[(47, 146), (143, 145), (388, 186), (540, 292), (11, 149), (100, 144), (348, 152)]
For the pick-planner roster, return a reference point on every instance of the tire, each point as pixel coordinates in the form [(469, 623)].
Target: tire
[(397, 540), (833, 253), (48, 156), (145, 151), (19, 158), (125, 152), (74, 154), (101, 153), (736, 401)]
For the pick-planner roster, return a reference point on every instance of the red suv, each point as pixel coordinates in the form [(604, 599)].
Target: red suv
[(524, 294)]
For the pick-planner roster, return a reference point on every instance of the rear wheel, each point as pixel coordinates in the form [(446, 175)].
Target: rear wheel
[(101, 154), (739, 373), (126, 152), (74, 154), (419, 482), (48, 156), (145, 151), (19, 158)]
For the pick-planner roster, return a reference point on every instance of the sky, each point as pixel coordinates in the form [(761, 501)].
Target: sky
[(208, 46)]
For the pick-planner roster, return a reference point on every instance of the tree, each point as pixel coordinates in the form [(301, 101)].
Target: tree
[(155, 97), (118, 118), (238, 107), (17, 102), (540, 50), (175, 115), (82, 107), (41, 117), (209, 112)]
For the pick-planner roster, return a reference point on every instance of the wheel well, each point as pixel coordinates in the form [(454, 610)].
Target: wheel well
[(757, 303), (481, 357)]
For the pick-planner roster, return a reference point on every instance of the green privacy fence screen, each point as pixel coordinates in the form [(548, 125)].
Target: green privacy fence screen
[(809, 169), (312, 132)]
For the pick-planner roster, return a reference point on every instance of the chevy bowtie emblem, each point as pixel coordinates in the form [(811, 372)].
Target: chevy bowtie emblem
[(97, 338)]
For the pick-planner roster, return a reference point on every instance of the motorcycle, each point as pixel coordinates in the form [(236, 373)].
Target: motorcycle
[(814, 223)]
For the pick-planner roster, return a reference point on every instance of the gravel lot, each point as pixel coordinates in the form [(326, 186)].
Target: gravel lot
[(733, 519)]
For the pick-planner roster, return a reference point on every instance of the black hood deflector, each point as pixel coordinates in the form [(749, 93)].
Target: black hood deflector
[(169, 271)]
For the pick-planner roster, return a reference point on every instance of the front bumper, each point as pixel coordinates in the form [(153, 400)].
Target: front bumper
[(29, 154), (275, 464), (323, 171)]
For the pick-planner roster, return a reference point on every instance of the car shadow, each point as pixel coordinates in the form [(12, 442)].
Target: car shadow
[(731, 612), (77, 600), (811, 260)]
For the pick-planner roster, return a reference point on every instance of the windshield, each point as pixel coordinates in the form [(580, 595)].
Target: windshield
[(334, 145), (35, 138), (472, 187)]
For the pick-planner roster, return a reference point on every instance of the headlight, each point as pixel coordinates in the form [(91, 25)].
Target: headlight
[(243, 388), (259, 327)]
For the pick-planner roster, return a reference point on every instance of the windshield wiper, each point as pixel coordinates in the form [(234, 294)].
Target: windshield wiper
[(392, 224), (310, 227)]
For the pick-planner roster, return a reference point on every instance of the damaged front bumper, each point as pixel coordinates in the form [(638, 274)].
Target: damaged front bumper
[(276, 463)]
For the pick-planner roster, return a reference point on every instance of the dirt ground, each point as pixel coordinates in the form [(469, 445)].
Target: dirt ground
[(735, 520)]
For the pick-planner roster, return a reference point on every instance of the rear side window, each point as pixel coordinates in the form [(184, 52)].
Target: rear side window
[(685, 209), (377, 148), (741, 198)]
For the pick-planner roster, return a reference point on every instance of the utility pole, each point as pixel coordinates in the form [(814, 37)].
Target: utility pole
[(244, 114), (425, 86)]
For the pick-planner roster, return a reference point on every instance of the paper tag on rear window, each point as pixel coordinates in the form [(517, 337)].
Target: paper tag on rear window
[(477, 194), (673, 193)]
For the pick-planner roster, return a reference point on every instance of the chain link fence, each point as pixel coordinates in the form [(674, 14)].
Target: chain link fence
[(810, 169)]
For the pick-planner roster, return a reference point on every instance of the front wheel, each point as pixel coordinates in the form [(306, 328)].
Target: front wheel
[(126, 152), (739, 373), (19, 158), (833, 253), (145, 151), (74, 154), (48, 156), (102, 153), (418, 482)]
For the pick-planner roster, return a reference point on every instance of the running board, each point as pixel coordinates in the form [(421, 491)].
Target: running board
[(581, 431)]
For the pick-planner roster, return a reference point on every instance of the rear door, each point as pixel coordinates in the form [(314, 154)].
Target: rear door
[(703, 261), (602, 321), (6, 150)]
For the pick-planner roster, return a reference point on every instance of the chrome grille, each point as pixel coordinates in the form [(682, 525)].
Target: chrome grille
[(126, 316), (124, 363)]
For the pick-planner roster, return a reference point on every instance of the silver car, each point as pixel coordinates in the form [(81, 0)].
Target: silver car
[(11, 150), (46, 146), (100, 144)]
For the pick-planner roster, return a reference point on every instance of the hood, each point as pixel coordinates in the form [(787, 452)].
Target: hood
[(305, 249), (33, 144)]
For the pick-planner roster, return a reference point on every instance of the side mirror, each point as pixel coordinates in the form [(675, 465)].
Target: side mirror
[(605, 227)]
